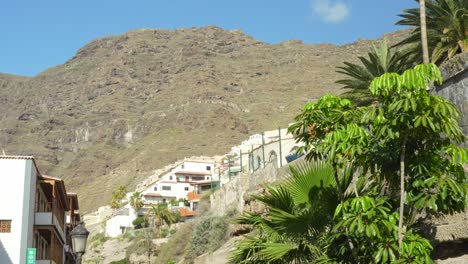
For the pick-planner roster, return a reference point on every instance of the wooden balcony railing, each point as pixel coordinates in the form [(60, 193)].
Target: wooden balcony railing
[(56, 209)]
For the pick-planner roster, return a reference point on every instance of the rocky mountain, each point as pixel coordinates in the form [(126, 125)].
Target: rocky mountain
[(128, 104)]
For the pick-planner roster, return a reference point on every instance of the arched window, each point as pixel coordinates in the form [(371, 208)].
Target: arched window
[(273, 157)]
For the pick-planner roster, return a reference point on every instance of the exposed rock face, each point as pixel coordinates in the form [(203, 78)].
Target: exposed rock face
[(450, 233), (125, 105), (455, 86)]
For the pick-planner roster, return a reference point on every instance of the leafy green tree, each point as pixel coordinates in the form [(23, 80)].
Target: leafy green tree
[(117, 195), (405, 142), (136, 201), (380, 59), (366, 232), (446, 22), (161, 215)]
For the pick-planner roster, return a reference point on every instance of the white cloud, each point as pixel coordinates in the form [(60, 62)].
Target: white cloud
[(330, 11)]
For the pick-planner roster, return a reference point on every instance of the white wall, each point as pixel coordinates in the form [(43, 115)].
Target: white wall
[(17, 195), (114, 223), (178, 189)]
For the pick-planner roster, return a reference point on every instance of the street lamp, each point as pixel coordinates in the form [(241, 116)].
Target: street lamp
[(79, 235)]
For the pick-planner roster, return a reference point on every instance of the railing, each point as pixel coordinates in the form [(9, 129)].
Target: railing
[(55, 209), (50, 253)]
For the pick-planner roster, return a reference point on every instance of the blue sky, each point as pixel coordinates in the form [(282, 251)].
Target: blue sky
[(37, 34)]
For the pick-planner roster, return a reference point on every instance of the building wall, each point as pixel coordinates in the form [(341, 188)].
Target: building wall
[(233, 195), (17, 191), (195, 166), (178, 189), (114, 224)]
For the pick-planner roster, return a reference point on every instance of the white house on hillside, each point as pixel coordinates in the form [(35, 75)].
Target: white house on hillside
[(121, 220), (190, 176), (185, 181)]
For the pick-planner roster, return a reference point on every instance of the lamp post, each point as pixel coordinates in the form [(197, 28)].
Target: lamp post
[(79, 235)]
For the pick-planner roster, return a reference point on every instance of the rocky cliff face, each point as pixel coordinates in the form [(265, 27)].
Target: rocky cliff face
[(125, 105)]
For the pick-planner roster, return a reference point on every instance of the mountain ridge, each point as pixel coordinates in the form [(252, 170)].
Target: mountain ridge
[(127, 104)]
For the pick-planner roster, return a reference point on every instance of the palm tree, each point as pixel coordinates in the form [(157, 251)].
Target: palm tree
[(380, 59), (447, 28), (117, 195), (299, 211), (422, 11), (136, 201), (161, 215)]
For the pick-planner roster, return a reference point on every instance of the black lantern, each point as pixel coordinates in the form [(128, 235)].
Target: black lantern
[(79, 235)]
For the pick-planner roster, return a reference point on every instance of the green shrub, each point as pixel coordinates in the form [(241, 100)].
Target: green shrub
[(176, 247), (164, 232), (141, 244), (122, 261), (97, 240), (208, 235), (140, 222)]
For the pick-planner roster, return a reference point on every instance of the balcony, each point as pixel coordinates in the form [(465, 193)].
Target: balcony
[(51, 216), (49, 248)]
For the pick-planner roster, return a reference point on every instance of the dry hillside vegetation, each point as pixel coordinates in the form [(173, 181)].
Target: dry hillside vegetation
[(125, 105)]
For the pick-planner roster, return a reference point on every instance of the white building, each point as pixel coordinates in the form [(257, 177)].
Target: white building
[(34, 210), (190, 176), (183, 182), (120, 221)]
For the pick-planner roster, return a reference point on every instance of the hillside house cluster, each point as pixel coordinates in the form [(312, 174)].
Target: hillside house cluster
[(36, 211), (273, 146), (181, 187)]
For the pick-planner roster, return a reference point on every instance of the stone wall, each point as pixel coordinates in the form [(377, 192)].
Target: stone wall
[(235, 194), (455, 87), (450, 233)]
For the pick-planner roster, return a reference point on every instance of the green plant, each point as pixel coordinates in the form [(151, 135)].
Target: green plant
[(136, 201), (379, 60), (117, 195), (405, 143), (142, 244), (176, 246), (299, 211), (208, 235), (97, 240), (161, 215), (164, 232), (366, 231), (174, 202), (447, 25), (122, 261), (140, 222)]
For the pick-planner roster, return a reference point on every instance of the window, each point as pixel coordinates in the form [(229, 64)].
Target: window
[(42, 247), (5, 226), (166, 188), (207, 178), (170, 178), (155, 188), (208, 168), (182, 166), (186, 188)]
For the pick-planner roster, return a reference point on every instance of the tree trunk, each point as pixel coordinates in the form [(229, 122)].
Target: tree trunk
[(463, 44), (422, 12), (402, 190)]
